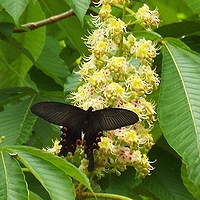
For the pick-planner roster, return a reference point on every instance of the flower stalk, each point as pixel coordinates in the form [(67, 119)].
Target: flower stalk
[(119, 73)]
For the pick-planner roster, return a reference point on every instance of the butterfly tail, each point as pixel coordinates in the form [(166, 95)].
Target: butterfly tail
[(90, 157)]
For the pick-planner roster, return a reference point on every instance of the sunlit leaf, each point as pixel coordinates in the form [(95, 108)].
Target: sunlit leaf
[(47, 168), (12, 184), (193, 189), (79, 7), (70, 26), (178, 110), (194, 5), (14, 8)]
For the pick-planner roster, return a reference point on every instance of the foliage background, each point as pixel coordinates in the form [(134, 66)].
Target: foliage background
[(37, 65)]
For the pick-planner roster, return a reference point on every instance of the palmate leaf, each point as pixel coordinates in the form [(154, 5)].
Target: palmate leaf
[(178, 109)]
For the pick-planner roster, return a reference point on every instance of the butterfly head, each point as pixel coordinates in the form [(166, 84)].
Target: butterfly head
[(90, 109)]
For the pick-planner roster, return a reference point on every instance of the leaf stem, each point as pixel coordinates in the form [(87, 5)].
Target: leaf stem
[(104, 195), (126, 8)]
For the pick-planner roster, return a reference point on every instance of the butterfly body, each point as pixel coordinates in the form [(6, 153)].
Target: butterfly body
[(76, 121)]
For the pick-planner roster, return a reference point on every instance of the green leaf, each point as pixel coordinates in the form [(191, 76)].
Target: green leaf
[(17, 54), (16, 122), (171, 12), (12, 74), (194, 5), (148, 35), (165, 181), (6, 28), (50, 168), (115, 186), (12, 184), (180, 29), (50, 62), (70, 26), (178, 105), (8, 95), (33, 196), (14, 8), (193, 189), (191, 42), (156, 132), (73, 81), (80, 7), (50, 176), (43, 134), (34, 40)]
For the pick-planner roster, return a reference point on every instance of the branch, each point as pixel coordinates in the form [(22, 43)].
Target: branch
[(50, 20)]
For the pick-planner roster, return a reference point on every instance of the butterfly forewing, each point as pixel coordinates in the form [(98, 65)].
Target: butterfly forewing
[(113, 118), (59, 113)]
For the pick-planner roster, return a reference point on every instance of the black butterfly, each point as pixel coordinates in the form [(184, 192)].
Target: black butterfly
[(75, 121)]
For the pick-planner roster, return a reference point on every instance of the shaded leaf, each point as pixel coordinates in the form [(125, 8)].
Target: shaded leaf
[(72, 83), (115, 186), (191, 42), (16, 122), (181, 29), (50, 62), (165, 181), (8, 95), (11, 54), (6, 28)]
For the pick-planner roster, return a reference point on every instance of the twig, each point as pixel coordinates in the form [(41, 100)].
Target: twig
[(50, 20)]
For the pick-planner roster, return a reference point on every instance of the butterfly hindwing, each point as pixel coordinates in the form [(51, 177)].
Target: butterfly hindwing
[(105, 119), (70, 139)]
